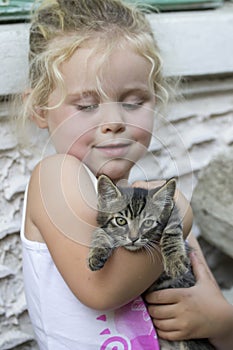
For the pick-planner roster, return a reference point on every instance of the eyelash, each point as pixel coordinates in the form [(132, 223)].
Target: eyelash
[(125, 105), (132, 106), (87, 108)]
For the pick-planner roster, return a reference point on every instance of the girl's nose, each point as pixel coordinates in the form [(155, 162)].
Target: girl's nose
[(112, 127), (112, 118)]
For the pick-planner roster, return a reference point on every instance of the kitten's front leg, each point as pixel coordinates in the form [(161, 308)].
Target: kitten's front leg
[(175, 257), (101, 249)]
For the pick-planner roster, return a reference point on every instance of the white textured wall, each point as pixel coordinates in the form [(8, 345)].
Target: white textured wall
[(196, 129), (15, 327), (204, 124)]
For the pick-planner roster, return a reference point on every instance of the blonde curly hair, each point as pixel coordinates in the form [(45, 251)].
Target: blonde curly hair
[(60, 27)]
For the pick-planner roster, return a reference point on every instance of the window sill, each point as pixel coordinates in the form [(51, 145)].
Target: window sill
[(193, 43), (196, 43)]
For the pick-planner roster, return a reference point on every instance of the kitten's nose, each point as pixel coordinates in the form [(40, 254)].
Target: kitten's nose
[(134, 239)]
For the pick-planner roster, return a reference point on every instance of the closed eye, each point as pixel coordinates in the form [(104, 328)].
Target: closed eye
[(132, 106), (87, 108)]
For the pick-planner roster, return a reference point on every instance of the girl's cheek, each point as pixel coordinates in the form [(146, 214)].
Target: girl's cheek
[(144, 131), (144, 121)]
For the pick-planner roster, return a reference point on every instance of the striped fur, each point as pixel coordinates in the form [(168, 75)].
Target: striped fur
[(135, 218)]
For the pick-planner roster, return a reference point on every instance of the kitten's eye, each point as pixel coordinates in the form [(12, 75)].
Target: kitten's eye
[(148, 223), (120, 221)]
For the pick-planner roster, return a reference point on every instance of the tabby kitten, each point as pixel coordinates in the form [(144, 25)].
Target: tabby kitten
[(136, 218)]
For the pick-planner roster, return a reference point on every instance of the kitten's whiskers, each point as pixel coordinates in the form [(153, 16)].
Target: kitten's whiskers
[(154, 246), (149, 252)]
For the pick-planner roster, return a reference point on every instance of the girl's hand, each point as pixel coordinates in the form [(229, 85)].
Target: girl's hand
[(149, 184), (197, 312)]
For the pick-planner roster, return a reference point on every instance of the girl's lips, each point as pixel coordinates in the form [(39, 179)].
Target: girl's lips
[(114, 150)]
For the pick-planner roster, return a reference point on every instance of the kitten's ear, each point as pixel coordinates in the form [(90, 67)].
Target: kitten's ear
[(106, 189), (166, 192)]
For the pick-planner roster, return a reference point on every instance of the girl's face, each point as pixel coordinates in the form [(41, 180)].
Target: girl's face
[(111, 131)]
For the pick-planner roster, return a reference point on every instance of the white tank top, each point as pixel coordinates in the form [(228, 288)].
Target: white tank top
[(62, 322)]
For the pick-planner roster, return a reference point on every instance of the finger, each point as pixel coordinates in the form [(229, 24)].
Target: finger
[(170, 336), (166, 325), (166, 296), (172, 329), (148, 184), (197, 265), (200, 269), (162, 312), (141, 184), (156, 183)]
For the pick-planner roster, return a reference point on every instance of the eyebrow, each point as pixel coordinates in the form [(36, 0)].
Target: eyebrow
[(144, 91), (86, 93)]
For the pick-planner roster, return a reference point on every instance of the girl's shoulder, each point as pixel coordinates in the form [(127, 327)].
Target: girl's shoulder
[(61, 193), (62, 174), (56, 165)]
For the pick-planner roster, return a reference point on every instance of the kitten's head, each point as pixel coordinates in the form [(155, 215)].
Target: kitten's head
[(134, 217)]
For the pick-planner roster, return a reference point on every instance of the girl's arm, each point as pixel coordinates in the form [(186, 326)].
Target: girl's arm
[(197, 312), (61, 208)]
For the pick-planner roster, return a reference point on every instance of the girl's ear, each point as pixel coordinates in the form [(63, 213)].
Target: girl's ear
[(38, 115), (39, 118)]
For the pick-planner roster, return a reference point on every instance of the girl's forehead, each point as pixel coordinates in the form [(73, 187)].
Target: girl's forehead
[(101, 58), (90, 66)]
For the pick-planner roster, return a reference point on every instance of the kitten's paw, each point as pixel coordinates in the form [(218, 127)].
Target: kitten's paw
[(95, 264), (97, 259), (176, 266)]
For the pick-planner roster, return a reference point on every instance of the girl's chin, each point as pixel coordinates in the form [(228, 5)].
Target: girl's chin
[(116, 170)]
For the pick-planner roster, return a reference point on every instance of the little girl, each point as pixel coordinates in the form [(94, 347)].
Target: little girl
[(95, 81)]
